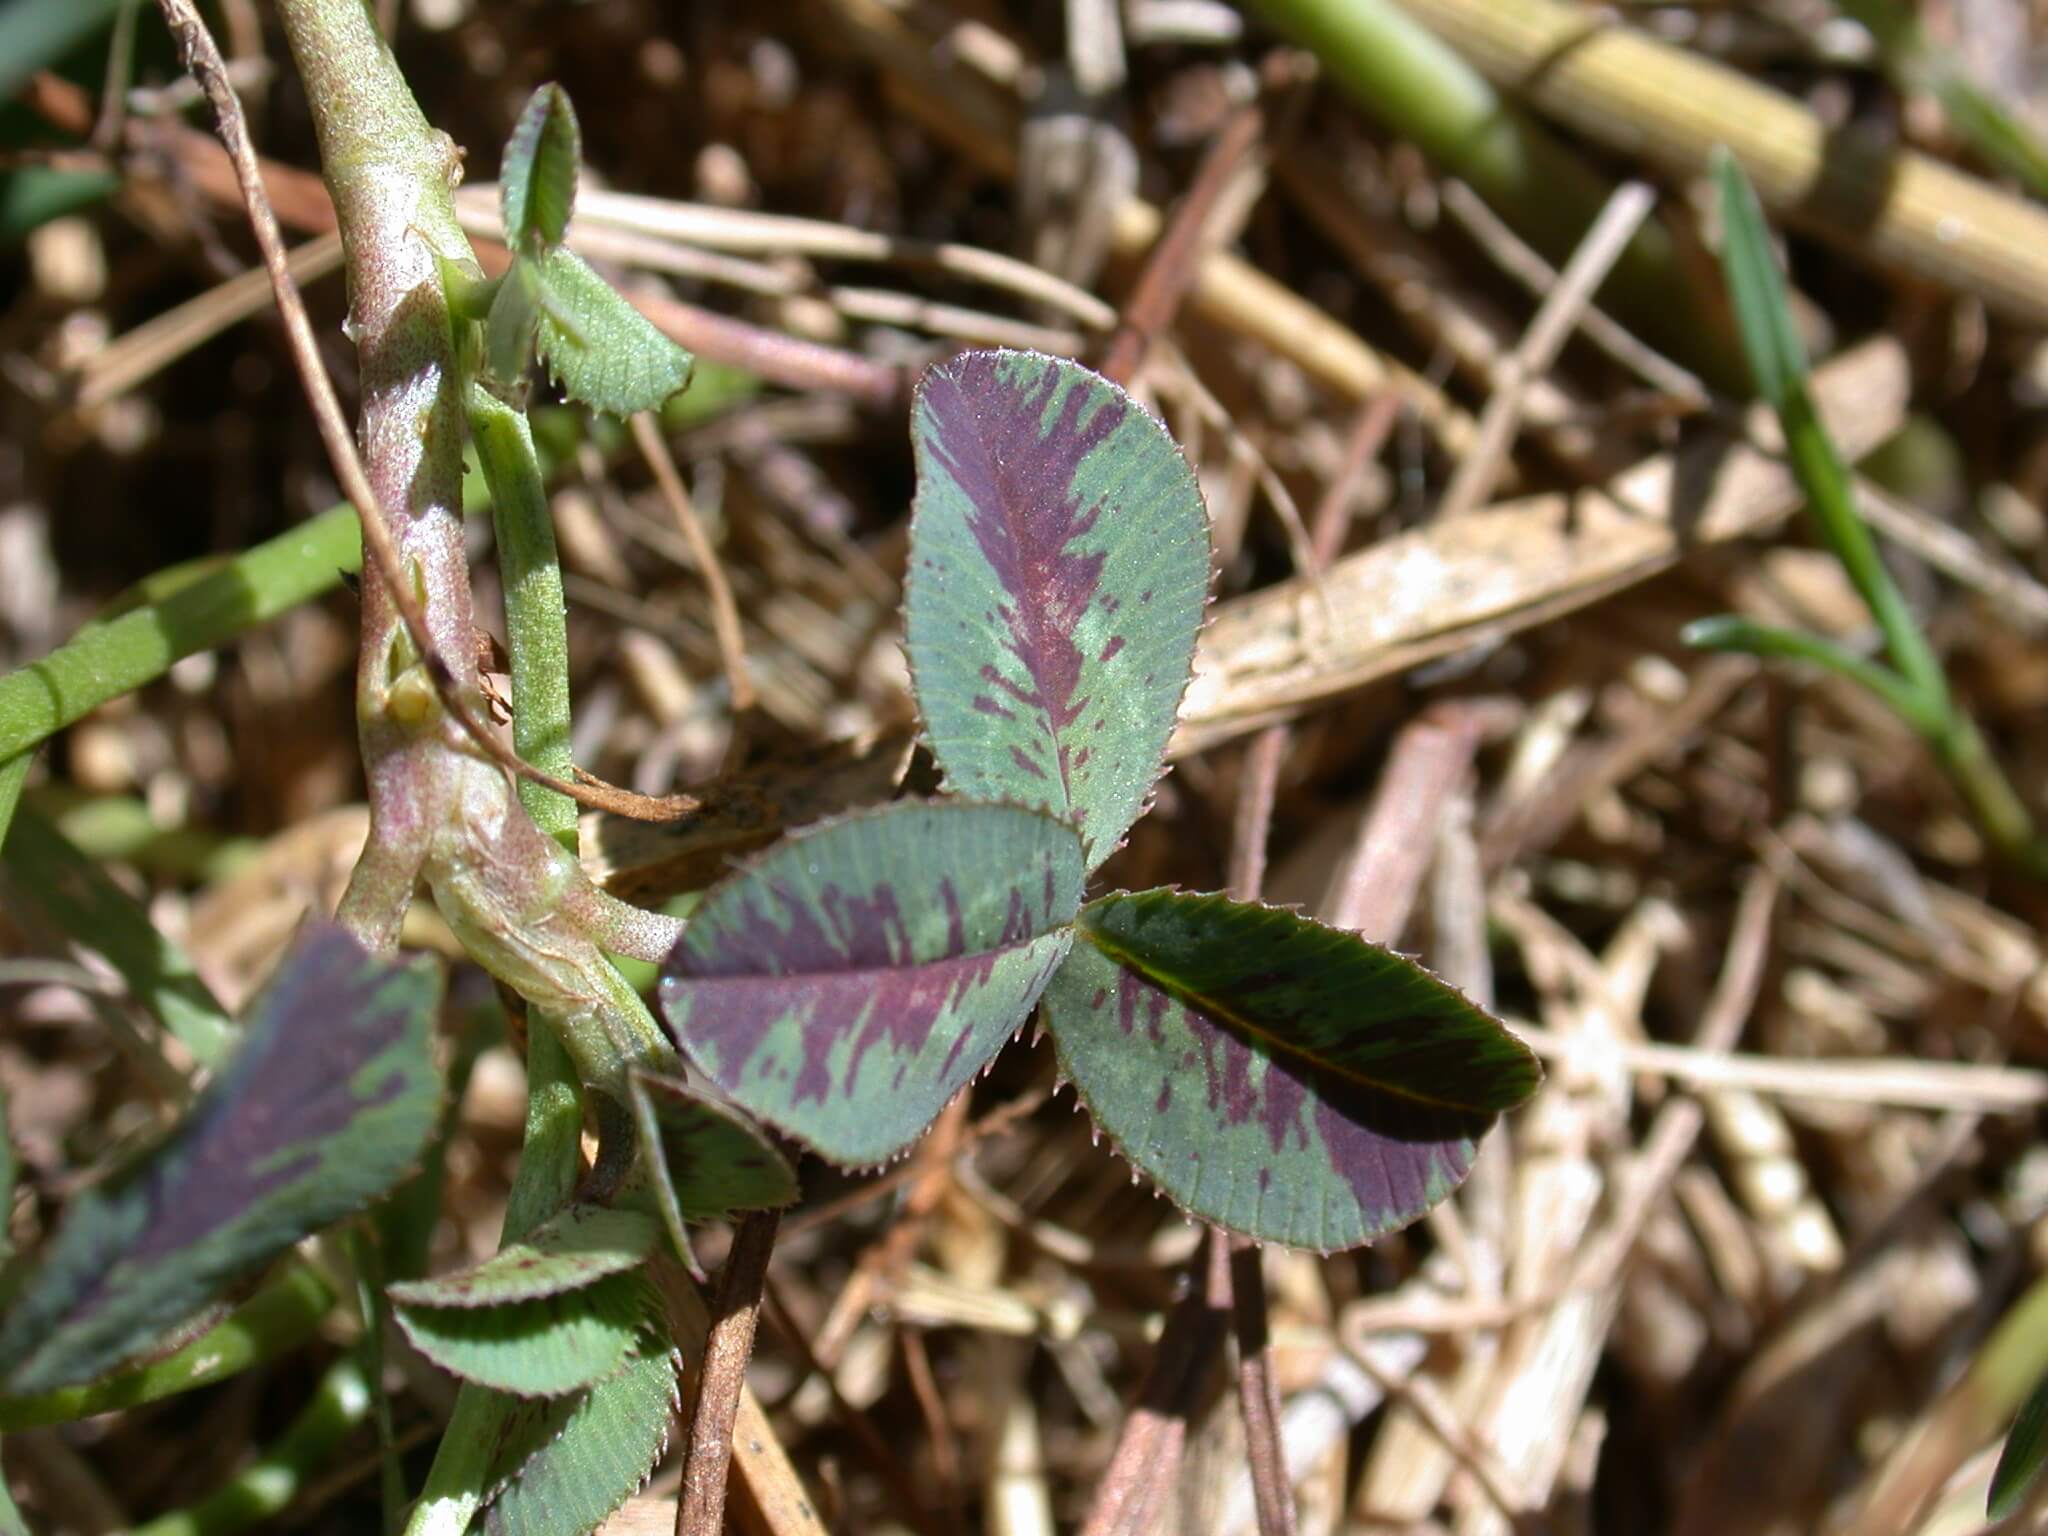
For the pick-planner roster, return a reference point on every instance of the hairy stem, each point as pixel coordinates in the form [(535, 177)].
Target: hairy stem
[(548, 1165), (536, 636)]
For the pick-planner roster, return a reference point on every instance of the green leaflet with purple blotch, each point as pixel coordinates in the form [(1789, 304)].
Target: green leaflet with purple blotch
[(1059, 564), (326, 1106), (1278, 1078), (848, 983)]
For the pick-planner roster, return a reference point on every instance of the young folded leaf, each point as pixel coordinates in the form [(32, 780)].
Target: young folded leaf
[(1059, 564), (537, 182), (326, 1106), (1286, 1081), (597, 347), (847, 984)]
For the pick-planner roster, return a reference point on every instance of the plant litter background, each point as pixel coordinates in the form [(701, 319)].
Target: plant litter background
[(1762, 1255)]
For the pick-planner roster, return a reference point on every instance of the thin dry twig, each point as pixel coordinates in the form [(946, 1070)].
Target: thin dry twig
[(1373, 888), (731, 229), (139, 354), (722, 1376), (860, 1425), (1421, 1398), (1895, 1081), (1678, 1123), (725, 613), (1258, 1393), (1171, 267), (1565, 306), (1267, 655), (1526, 265), (1147, 1458)]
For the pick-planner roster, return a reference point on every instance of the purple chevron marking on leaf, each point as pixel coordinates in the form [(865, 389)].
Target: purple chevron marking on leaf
[(1046, 498), (850, 982), (1019, 475)]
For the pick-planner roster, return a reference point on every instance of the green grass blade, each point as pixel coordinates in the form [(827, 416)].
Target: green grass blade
[(95, 912), (2025, 1454), (263, 1488), (1730, 632), (105, 660), (1778, 361)]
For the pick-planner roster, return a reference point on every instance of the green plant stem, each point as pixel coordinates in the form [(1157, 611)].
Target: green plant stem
[(548, 1167), (1963, 755), (1831, 503), (1747, 637), (391, 178), (536, 634), (95, 912), (537, 643), (1915, 688), (1418, 86), (267, 1485), (365, 1249), (275, 1321), (116, 656)]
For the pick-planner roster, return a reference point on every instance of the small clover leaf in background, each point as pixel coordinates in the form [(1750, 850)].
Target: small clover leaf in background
[(577, 1247), (1058, 568), (328, 1104), (716, 1161), (557, 1343), (1287, 1081), (849, 982), (704, 1159)]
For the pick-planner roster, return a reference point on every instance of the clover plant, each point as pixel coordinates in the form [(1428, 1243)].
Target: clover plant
[(1272, 1076), (1275, 1077)]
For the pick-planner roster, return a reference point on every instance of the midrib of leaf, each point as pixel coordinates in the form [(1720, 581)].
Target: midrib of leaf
[(785, 978), (1264, 1039)]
